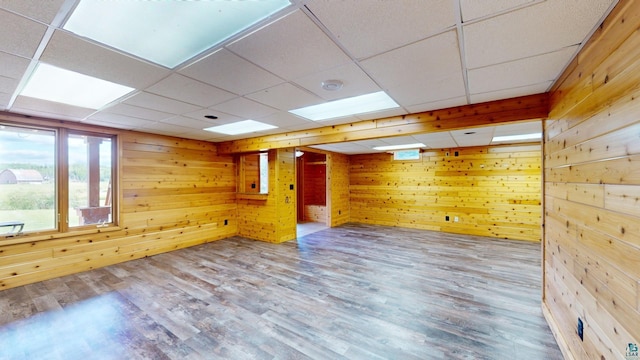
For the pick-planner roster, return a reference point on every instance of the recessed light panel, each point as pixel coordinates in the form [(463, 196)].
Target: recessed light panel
[(167, 32), (241, 127), (63, 86), (400, 147), (534, 136), (345, 107)]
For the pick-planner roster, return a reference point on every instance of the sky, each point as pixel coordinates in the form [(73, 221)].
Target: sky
[(37, 147)]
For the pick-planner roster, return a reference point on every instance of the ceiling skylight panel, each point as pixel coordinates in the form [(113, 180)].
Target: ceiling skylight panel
[(241, 127), (167, 32), (64, 86), (345, 107)]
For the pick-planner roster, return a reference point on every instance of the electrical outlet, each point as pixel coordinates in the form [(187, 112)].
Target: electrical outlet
[(446, 218), (580, 329), (226, 222), (456, 219)]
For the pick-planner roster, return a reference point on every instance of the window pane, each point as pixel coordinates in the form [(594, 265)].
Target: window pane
[(89, 180), (27, 179), (264, 173)]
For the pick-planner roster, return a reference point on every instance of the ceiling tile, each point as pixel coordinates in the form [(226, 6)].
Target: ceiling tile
[(30, 32), (190, 91), (43, 11), (355, 82), (4, 100), (439, 140), (163, 128), (518, 73), (244, 108), (510, 93), (285, 97), (435, 105), (69, 52), (118, 121), (474, 9), (381, 114), (221, 120), (426, 71), (191, 123), (473, 137), (518, 128), (367, 28), (12, 66), (8, 85), (533, 30), (159, 103), (31, 106), (292, 47), (284, 120), (138, 112), (228, 71)]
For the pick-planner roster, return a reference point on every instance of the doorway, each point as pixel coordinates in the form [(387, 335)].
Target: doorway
[(312, 192)]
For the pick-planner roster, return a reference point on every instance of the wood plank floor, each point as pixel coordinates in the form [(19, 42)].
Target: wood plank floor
[(352, 292)]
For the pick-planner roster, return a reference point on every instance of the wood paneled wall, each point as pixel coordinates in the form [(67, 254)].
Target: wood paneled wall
[(315, 179), (492, 191), (592, 192), (272, 217), (174, 193), (338, 205)]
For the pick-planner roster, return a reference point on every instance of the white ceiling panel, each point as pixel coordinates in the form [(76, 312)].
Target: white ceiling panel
[(292, 47), (439, 140), (190, 91), (474, 9), (7, 85), (430, 71), (285, 97), (381, 114), (159, 103), (4, 100), (519, 73), (231, 72), (69, 52), (244, 108), (284, 120), (518, 129), (435, 105), (355, 82), (36, 107), (115, 120), (513, 92), (138, 112), (30, 32), (39, 10), (163, 128), (222, 118), (190, 123), (12, 66), (368, 28), (473, 137), (533, 30)]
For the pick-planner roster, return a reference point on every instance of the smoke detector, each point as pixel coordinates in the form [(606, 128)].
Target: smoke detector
[(332, 85)]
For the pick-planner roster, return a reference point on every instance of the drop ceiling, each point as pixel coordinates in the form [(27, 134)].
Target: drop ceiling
[(426, 54)]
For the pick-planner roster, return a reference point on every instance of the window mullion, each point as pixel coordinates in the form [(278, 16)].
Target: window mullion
[(63, 181)]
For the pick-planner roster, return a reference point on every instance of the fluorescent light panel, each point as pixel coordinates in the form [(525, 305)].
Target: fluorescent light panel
[(534, 136), (400, 147), (241, 127), (345, 107), (167, 32), (63, 86)]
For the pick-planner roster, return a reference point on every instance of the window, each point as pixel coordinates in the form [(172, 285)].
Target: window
[(253, 173), (54, 179)]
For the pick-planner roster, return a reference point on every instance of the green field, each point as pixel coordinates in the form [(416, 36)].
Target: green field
[(34, 204)]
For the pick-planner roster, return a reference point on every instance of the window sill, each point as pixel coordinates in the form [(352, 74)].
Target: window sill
[(35, 237), (252, 196)]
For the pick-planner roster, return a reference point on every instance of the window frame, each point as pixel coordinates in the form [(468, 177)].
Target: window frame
[(62, 130)]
